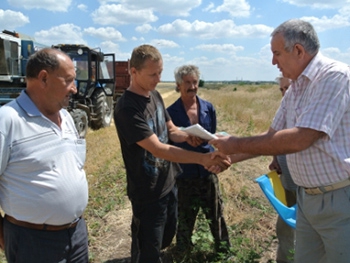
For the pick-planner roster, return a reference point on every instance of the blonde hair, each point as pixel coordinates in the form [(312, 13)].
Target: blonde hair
[(141, 53)]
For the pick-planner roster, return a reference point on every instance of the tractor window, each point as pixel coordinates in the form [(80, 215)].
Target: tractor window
[(107, 69), (81, 65), (82, 71), (93, 71), (9, 57), (104, 71), (3, 64)]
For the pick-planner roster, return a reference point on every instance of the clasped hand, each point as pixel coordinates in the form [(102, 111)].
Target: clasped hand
[(219, 162)]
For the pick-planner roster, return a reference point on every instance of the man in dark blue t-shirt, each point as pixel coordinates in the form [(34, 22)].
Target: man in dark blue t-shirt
[(144, 129)]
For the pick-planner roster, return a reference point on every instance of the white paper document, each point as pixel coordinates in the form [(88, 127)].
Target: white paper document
[(199, 131)]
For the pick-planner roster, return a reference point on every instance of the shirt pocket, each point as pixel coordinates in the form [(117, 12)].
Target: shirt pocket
[(80, 145)]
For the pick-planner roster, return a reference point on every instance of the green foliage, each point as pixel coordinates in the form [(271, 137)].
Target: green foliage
[(214, 86), (291, 255), (201, 83), (246, 198), (245, 255), (241, 250), (202, 237), (106, 194)]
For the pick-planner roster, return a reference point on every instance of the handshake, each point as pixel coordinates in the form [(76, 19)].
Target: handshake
[(219, 161)]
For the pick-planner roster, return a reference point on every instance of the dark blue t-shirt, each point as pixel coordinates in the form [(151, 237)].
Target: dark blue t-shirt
[(136, 118)]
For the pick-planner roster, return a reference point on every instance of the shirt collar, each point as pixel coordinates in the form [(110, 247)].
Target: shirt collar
[(310, 71), (25, 102)]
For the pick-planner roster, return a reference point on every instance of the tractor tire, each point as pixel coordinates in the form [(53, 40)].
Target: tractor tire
[(103, 109), (81, 121)]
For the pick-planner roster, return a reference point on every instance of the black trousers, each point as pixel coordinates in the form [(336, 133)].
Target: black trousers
[(153, 228), (24, 245)]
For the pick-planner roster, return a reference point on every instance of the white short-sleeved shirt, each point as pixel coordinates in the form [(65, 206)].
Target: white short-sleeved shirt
[(319, 99), (42, 179)]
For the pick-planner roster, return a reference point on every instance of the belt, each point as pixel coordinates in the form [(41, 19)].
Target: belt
[(324, 189), (41, 226)]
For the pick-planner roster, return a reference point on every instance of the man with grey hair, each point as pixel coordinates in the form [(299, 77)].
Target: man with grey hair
[(197, 187), (283, 84), (311, 126)]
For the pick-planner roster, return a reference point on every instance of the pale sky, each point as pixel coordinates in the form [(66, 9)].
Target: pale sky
[(226, 39)]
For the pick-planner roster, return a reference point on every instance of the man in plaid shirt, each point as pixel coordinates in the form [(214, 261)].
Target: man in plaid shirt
[(311, 126)]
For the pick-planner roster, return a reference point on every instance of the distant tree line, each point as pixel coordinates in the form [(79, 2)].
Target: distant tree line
[(236, 82), (241, 82)]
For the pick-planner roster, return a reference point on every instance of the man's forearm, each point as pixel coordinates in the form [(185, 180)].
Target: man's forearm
[(271, 143), (276, 143)]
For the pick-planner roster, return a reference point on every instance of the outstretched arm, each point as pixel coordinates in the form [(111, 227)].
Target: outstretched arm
[(270, 143), (179, 155)]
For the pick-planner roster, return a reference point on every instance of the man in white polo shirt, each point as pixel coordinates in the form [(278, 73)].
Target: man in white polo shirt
[(43, 187)]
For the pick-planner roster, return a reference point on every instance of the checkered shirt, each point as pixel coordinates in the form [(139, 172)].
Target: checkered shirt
[(319, 99)]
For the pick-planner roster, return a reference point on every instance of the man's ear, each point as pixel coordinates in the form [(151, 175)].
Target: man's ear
[(132, 71), (299, 49), (42, 76)]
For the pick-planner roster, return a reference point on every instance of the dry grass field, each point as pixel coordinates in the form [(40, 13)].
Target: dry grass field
[(242, 110)]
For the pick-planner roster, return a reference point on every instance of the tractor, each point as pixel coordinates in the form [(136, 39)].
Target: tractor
[(92, 105)]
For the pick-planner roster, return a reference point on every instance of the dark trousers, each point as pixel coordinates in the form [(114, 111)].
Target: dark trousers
[(285, 234), (24, 245), (194, 194), (153, 228)]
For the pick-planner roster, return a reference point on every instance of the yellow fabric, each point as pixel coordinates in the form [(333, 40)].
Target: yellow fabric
[(277, 186)]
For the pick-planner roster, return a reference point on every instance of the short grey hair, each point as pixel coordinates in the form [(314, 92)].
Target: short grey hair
[(279, 79), (185, 70), (297, 31)]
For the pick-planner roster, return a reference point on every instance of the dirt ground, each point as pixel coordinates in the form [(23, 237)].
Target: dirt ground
[(117, 239)]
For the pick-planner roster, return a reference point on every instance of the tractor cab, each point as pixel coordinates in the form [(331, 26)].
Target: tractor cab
[(14, 53), (92, 105)]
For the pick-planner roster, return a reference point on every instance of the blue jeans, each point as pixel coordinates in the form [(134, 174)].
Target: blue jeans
[(153, 228), (24, 245)]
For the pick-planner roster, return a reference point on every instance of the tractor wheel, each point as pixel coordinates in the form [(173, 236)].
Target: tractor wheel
[(103, 108), (81, 121)]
